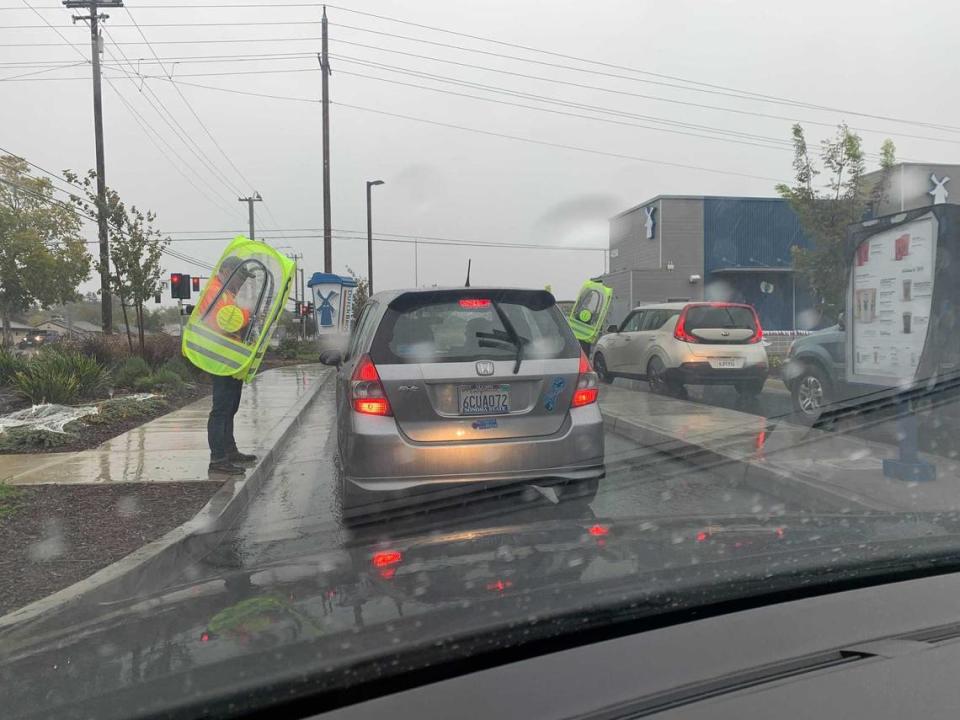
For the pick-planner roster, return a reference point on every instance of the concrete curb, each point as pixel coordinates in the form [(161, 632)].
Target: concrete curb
[(804, 490), (131, 576)]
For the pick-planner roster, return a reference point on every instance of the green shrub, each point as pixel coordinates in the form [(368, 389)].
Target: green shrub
[(63, 376), (111, 412), (40, 385), (180, 368), (27, 439), (291, 348), (9, 365), (165, 381), (92, 379), (129, 371)]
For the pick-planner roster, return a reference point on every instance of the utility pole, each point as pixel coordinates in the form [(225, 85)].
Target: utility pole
[(370, 184), (303, 299), (325, 99), (250, 201), (94, 18)]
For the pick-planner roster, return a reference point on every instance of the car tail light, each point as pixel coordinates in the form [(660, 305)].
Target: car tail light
[(500, 585), (598, 530), (384, 558), (474, 303), (366, 391), (680, 331), (587, 389)]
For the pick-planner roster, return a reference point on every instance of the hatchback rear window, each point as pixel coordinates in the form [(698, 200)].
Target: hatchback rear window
[(440, 327), (726, 317)]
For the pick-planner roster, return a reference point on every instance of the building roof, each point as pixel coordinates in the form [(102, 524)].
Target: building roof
[(696, 197)]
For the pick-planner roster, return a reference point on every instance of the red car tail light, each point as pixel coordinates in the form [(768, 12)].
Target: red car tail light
[(680, 331), (587, 389), (366, 391)]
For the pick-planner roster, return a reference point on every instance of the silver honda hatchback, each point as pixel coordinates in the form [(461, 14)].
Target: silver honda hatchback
[(442, 392)]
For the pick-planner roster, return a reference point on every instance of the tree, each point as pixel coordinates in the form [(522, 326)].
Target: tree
[(43, 257), (360, 294), (826, 210), (136, 248)]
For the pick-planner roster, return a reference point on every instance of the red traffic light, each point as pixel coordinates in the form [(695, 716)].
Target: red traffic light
[(196, 284), (175, 279)]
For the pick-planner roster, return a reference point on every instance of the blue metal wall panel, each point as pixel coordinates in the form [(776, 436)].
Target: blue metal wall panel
[(749, 232)]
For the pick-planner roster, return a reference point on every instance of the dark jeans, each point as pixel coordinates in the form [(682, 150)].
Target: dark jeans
[(226, 402)]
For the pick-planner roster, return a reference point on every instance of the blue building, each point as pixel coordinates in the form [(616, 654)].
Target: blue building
[(674, 247)]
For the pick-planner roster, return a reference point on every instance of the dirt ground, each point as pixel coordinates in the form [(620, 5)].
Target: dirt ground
[(52, 536)]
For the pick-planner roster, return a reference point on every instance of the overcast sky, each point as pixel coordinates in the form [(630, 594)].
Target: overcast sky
[(870, 64)]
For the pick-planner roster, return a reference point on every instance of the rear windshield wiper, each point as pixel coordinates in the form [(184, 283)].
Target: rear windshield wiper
[(514, 338)]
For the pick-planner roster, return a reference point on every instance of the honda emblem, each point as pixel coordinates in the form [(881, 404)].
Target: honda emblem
[(485, 367), (724, 333)]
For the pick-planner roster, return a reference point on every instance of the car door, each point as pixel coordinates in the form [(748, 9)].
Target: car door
[(622, 344), (636, 358), (656, 331)]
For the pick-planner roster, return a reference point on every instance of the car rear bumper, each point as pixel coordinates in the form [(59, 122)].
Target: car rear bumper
[(703, 374), (378, 457)]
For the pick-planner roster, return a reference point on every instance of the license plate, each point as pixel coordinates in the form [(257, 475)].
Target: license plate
[(484, 399), (726, 363)]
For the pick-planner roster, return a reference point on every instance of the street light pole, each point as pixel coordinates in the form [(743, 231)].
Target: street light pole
[(370, 184)]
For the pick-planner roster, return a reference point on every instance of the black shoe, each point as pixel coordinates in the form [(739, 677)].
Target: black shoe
[(225, 467), (239, 457)]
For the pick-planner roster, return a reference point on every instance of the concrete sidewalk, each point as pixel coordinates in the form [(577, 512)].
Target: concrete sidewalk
[(174, 447), (817, 470)]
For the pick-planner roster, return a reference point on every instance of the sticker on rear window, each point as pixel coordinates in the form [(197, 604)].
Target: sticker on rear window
[(556, 387)]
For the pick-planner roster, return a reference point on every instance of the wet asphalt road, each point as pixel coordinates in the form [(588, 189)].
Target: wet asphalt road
[(295, 512)]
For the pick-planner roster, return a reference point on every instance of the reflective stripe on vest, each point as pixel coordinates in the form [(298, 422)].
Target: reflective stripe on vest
[(213, 355), (228, 354)]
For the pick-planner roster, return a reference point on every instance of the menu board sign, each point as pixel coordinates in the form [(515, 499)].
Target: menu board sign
[(892, 297)]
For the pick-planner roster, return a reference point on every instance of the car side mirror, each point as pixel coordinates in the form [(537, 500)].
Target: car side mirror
[(333, 358), (613, 329), (841, 322)]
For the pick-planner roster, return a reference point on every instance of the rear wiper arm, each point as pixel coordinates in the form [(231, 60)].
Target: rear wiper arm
[(515, 339)]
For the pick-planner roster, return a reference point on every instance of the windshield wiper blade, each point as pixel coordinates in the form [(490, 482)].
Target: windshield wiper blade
[(515, 339)]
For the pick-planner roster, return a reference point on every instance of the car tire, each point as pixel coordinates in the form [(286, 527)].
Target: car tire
[(750, 389), (659, 383), (600, 365), (657, 376), (811, 391)]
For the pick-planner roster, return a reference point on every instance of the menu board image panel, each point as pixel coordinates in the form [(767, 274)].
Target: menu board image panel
[(892, 298)]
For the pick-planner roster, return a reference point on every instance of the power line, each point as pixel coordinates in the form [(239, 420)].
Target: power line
[(179, 130), (657, 98), (759, 96), (144, 125), (189, 106), (490, 133), (38, 72)]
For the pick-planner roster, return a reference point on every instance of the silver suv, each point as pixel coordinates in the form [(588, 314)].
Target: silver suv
[(672, 345), (446, 391)]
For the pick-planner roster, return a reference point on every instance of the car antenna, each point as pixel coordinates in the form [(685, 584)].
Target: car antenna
[(469, 261)]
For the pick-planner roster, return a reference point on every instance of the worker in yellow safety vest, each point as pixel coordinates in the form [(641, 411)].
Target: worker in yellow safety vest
[(226, 317)]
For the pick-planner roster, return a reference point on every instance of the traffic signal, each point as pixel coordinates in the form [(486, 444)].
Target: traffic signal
[(196, 284), (296, 308), (179, 286), (309, 311)]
